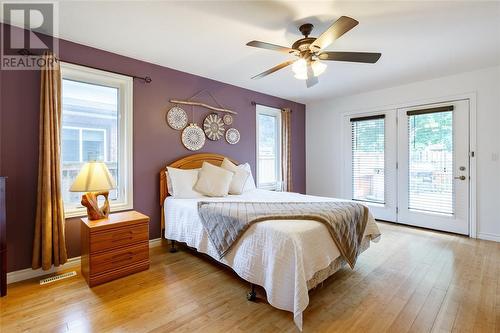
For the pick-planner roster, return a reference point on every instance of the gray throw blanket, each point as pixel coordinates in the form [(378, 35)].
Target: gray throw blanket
[(225, 222)]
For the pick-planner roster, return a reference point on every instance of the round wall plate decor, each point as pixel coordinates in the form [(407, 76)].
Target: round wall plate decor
[(193, 137), (213, 126), (177, 118), (228, 119), (232, 136)]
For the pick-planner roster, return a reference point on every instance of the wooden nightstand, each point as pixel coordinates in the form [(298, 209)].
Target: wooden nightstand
[(114, 247)]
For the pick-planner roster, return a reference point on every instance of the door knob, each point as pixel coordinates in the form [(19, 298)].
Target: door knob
[(460, 177)]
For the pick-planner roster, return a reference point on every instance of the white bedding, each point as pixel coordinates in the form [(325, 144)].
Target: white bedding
[(280, 256)]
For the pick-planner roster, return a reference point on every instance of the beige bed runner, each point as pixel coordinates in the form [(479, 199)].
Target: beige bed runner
[(225, 222)]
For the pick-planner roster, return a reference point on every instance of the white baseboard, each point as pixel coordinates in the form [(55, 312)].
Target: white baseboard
[(154, 242), (487, 236), (28, 273)]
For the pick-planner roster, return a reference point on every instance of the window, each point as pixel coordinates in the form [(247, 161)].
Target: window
[(268, 147), (368, 150), (96, 126)]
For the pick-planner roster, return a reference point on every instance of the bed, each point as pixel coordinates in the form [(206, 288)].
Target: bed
[(286, 257)]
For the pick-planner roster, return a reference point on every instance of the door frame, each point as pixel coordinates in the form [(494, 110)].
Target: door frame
[(387, 210), (472, 97)]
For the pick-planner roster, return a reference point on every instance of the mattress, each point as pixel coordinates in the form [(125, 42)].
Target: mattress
[(281, 256)]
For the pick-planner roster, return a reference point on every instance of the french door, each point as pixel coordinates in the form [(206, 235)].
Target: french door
[(433, 170), (411, 165)]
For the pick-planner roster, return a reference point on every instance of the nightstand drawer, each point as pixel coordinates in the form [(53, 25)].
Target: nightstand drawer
[(112, 260), (118, 237)]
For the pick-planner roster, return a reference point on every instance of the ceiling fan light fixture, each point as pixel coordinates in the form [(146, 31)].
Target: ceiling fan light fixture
[(299, 68), (300, 76), (318, 68)]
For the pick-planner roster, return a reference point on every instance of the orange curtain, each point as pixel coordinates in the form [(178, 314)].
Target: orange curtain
[(49, 244), (286, 149)]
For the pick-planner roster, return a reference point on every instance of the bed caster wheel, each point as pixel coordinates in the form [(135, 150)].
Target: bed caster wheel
[(252, 296), (173, 249)]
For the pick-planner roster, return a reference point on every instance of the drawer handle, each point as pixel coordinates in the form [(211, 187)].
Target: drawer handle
[(118, 256), (119, 237), (122, 239), (122, 257)]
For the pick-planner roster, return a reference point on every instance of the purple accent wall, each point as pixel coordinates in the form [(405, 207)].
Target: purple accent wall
[(155, 143)]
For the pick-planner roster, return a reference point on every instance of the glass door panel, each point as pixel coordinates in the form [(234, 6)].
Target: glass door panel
[(368, 169), (430, 149)]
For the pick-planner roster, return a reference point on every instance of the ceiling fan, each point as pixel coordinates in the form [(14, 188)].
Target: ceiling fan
[(309, 50)]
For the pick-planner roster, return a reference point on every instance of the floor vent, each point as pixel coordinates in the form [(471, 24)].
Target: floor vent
[(57, 277)]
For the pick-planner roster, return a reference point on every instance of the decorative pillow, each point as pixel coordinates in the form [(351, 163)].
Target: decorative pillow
[(213, 181), (250, 183), (239, 178), (181, 183)]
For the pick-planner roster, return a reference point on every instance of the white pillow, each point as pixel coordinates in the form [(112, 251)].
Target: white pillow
[(170, 188), (213, 181), (239, 178), (182, 183), (250, 183)]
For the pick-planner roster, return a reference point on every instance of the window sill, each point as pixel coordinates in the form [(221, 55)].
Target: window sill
[(82, 212)]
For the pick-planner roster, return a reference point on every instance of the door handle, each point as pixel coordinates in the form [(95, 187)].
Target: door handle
[(460, 177)]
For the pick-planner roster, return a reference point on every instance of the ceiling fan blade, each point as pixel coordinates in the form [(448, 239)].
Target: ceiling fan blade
[(274, 69), (365, 57), (336, 30), (311, 79), (272, 47)]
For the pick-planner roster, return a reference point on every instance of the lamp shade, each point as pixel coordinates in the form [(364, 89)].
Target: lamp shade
[(93, 177)]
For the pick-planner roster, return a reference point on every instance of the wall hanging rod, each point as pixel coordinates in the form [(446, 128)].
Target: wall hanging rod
[(176, 101), (146, 79)]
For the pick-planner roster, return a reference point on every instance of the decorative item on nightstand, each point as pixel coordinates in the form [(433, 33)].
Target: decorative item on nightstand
[(94, 179)]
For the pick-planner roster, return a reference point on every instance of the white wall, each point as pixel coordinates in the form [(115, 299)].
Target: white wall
[(324, 142)]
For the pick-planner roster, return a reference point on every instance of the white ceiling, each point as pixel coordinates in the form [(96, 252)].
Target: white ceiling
[(418, 39)]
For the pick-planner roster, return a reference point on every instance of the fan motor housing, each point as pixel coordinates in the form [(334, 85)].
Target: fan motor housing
[(303, 44)]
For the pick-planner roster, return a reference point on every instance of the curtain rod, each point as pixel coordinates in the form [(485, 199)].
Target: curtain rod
[(269, 106), (146, 79)]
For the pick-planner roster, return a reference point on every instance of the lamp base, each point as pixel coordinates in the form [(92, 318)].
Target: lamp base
[(94, 212)]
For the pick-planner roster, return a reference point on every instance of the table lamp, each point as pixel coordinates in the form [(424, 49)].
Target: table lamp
[(94, 179)]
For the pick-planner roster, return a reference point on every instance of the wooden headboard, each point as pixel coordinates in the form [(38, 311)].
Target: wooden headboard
[(188, 162)]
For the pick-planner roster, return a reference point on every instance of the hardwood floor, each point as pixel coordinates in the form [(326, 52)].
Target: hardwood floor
[(411, 281)]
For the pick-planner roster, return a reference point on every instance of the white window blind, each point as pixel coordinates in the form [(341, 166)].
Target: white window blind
[(430, 164), (368, 160)]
